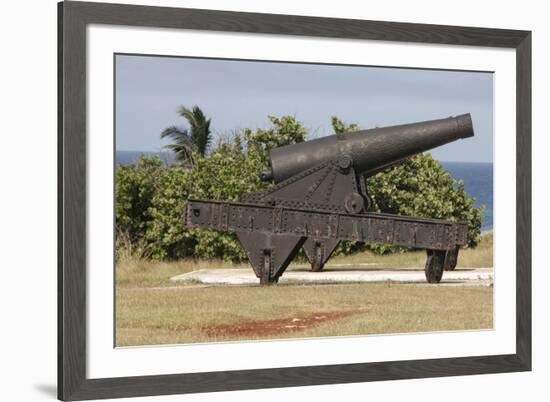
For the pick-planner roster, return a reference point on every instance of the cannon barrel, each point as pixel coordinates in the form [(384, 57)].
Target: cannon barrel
[(370, 150)]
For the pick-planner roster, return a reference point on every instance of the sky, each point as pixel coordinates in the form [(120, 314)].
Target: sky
[(238, 94)]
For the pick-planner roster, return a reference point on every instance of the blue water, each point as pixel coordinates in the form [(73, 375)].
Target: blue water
[(478, 179), (128, 157), (478, 183)]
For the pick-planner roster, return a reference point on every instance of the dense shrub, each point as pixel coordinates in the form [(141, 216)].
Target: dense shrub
[(150, 196), (149, 202), (134, 191), (165, 235)]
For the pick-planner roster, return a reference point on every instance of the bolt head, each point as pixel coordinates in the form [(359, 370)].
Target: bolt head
[(344, 162)]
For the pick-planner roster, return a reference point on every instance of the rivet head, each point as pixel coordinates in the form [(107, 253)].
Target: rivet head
[(344, 162)]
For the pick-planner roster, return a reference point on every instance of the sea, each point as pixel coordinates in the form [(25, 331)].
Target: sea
[(477, 177), (478, 183)]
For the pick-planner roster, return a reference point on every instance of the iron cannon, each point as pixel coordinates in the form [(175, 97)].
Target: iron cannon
[(320, 196)]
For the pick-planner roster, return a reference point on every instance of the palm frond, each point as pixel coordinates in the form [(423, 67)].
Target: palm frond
[(182, 153), (182, 146), (174, 132), (200, 127), (186, 141)]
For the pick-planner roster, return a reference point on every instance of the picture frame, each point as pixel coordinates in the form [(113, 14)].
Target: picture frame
[(73, 20)]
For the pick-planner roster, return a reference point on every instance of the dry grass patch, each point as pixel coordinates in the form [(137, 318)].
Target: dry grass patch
[(140, 272), (210, 314)]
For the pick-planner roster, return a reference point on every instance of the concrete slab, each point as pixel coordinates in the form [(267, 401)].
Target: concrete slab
[(415, 275)]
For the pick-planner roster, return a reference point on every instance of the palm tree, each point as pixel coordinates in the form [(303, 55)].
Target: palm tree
[(196, 139)]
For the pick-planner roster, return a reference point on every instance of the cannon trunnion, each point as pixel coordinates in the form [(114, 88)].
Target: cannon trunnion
[(320, 197)]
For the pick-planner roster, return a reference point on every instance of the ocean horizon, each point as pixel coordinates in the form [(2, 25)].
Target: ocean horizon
[(477, 177)]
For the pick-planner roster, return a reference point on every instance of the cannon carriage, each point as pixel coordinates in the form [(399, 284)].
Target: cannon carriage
[(320, 197)]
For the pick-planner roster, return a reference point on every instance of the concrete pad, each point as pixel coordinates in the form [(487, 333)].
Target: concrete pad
[(415, 275)]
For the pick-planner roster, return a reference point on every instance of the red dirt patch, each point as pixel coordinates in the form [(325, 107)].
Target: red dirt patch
[(298, 322)]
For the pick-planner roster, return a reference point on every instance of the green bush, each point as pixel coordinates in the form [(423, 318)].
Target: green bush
[(165, 235), (150, 196), (286, 130), (134, 191), (149, 203)]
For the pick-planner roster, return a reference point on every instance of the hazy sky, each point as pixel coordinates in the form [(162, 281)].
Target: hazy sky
[(241, 94)]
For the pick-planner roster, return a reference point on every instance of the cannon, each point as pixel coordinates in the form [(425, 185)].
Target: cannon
[(320, 196)]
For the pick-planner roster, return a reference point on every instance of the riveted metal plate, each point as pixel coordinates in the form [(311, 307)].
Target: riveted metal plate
[(390, 229)]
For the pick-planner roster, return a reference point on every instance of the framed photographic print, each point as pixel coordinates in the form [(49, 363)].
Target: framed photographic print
[(257, 201)]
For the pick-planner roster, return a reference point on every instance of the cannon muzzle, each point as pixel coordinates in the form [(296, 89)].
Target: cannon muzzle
[(369, 150)]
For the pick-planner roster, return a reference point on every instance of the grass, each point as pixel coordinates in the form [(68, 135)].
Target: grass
[(208, 314), (140, 272), (152, 310)]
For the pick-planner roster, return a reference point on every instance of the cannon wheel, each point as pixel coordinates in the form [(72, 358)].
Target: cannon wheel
[(452, 259), (434, 265)]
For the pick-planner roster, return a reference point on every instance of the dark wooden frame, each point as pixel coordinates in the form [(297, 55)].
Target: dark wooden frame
[(73, 17)]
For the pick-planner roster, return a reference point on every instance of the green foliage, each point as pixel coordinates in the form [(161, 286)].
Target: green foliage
[(149, 203), (227, 172), (134, 192), (165, 236), (286, 130), (150, 196), (340, 127)]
